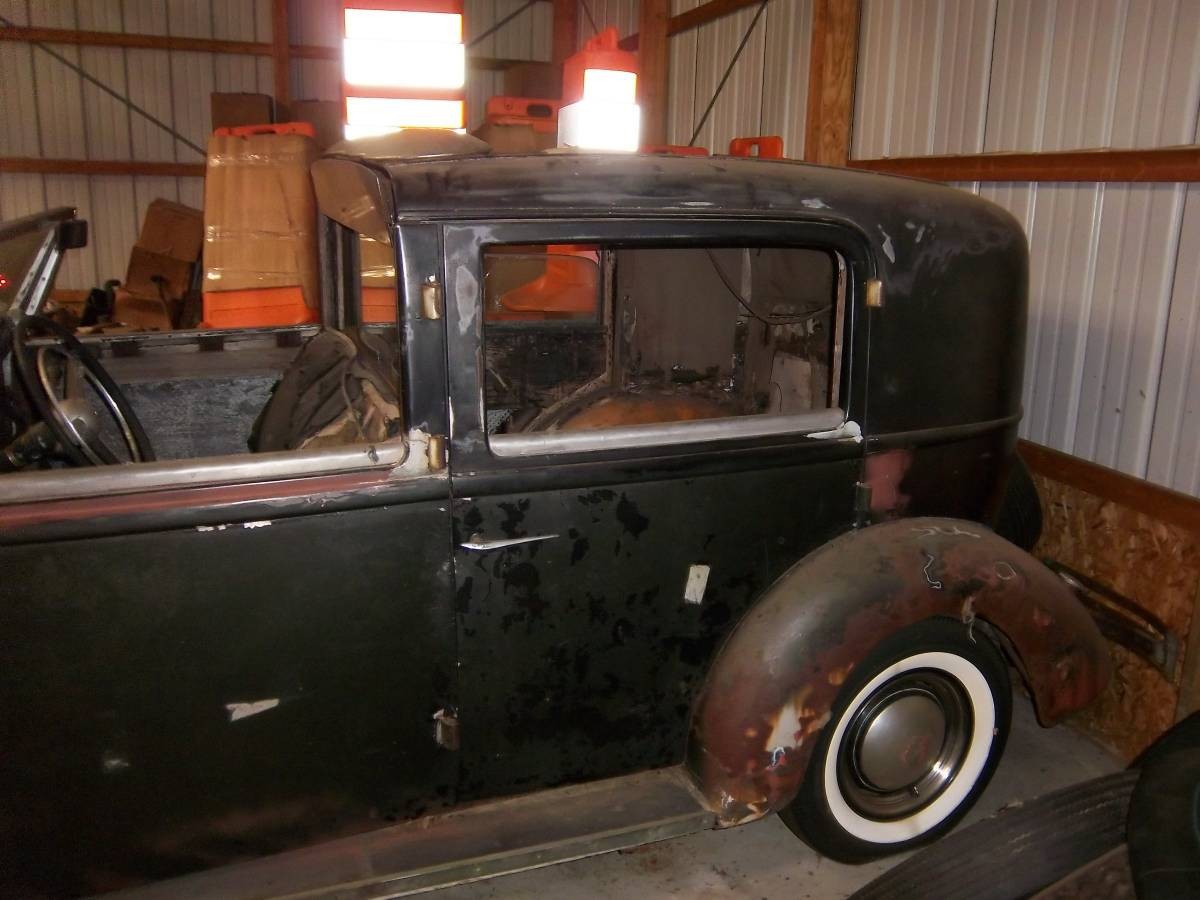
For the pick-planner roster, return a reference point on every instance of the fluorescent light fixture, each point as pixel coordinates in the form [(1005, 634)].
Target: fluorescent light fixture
[(388, 113), (610, 85), (404, 64), (404, 25), (600, 125)]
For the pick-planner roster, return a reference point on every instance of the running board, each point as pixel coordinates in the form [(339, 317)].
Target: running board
[(478, 841)]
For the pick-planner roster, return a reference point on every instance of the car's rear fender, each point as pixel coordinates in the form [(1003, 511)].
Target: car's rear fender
[(770, 690)]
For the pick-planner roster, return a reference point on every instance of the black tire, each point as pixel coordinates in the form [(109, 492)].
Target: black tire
[(1019, 518), (945, 695)]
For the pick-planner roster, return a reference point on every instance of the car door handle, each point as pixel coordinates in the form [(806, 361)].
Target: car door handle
[(479, 542)]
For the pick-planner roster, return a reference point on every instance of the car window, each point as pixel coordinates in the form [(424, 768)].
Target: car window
[(585, 338)]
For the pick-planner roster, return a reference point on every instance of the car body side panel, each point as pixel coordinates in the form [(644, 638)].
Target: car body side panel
[(186, 697), (582, 653), (769, 693)]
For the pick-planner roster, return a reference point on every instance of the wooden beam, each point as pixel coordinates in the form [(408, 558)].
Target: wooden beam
[(1168, 164), (833, 60), (565, 39), (1160, 503), (34, 166), (281, 56), (202, 45), (133, 41), (694, 18), (653, 65)]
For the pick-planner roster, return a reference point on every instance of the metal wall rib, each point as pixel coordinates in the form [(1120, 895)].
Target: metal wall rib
[(1111, 372)]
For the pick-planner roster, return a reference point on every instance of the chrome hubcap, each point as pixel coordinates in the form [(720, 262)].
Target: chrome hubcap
[(904, 744)]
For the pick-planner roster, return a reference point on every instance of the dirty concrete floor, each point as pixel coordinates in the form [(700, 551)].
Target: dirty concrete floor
[(764, 860)]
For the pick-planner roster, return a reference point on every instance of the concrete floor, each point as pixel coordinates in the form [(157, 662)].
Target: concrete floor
[(765, 860)]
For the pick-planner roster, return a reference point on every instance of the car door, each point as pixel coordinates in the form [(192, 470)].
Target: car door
[(216, 659), (597, 572)]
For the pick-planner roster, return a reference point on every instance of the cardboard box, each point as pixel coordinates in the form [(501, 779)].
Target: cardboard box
[(231, 110), (533, 79), (139, 313), (172, 229), (146, 266), (377, 262), (523, 138), (260, 215), (325, 116)]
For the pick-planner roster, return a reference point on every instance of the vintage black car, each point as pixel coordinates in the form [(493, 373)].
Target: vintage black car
[(656, 498)]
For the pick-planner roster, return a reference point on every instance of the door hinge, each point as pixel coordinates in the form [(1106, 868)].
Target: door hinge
[(436, 452), (862, 504), (431, 298), (445, 729), (875, 293)]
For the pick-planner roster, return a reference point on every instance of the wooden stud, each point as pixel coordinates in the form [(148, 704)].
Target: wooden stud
[(566, 30), (832, 63), (1172, 164), (653, 64), (281, 57)]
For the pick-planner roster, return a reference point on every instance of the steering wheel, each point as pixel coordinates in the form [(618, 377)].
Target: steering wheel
[(73, 423)]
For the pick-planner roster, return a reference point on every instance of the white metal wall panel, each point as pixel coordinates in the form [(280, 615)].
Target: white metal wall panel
[(922, 77), (621, 14), (1175, 440), (1111, 371), (767, 88)]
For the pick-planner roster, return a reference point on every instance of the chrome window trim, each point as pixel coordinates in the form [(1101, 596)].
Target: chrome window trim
[(667, 434), (95, 481)]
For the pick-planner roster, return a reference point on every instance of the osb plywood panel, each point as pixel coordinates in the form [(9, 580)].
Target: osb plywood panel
[(1155, 564)]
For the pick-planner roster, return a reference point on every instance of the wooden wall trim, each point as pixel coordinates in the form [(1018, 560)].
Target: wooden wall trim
[(694, 18), (34, 166), (1173, 164), (200, 45), (833, 61), (1137, 494)]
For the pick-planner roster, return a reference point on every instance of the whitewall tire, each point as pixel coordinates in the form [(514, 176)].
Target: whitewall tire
[(912, 740)]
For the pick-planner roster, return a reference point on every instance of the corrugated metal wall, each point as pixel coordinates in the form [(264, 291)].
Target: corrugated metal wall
[(52, 112), (1111, 369), (767, 88)]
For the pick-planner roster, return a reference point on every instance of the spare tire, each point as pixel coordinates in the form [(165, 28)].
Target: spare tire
[(1019, 519)]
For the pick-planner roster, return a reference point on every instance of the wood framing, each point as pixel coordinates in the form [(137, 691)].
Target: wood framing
[(833, 60), (1165, 164), (1160, 503), (33, 166), (200, 45), (565, 36), (281, 55), (653, 63), (694, 18)]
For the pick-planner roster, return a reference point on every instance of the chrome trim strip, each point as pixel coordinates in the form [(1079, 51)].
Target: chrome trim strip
[(70, 484), (478, 543), (940, 434), (666, 434)]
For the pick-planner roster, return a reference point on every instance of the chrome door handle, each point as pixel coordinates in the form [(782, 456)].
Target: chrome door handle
[(479, 542)]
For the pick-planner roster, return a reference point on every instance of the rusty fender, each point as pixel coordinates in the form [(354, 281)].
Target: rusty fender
[(771, 688)]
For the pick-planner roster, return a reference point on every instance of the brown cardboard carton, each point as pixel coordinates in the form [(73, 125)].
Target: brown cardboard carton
[(516, 138), (231, 110), (533, 79), (325, 116), (377, 262), (260, 214), (172, 229), (146, 267), (138, 313)]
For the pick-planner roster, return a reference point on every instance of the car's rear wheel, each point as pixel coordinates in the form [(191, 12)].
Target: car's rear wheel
[(913, 739)]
